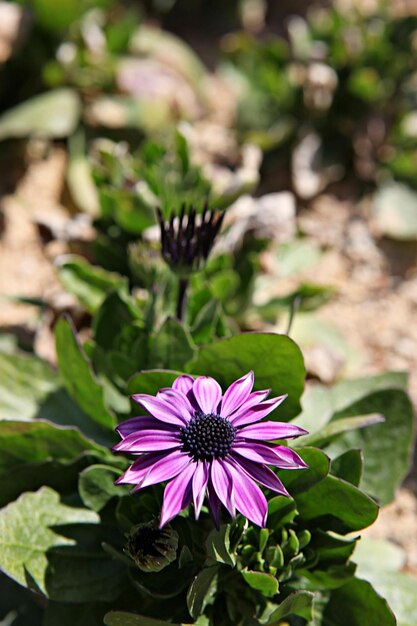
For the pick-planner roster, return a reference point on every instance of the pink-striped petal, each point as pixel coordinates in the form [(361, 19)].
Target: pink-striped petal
[(177, 495), (271, 431), (160, 409), (142, 423), (255, 413), (165, 468), (140, 468), (178, 401), (254, 399), (208, 394), (223, 485), (280, 456), (200, 480), (261, 473), (184, 383), (249, 499), (148, 441), (236, 394)]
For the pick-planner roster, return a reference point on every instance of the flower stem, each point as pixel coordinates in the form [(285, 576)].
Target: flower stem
[(293, 310), (182, 294)]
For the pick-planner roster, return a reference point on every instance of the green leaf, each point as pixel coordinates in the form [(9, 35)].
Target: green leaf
[(218, 546), (25, 382), (30, 388), (172, 346), (89, 283), (204, 327), (265, 583), (348, 392), (378, 555), (338, 427), (399, 590), (356, 604), (151, 381), (117, 311), (69, 614), (202, 590), (34, 442), (390, 441), (349, 466), (337, 505), (275, 359), (54, 114), (395, 211), (299, 603), (96, 486), (299, 481), (78, 376), (120, 618), (26, 535)]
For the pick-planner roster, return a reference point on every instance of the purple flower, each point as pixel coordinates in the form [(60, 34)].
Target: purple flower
[(208, 443)]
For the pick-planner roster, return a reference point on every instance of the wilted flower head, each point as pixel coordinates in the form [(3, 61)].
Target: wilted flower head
[(187, 238), (205, 442), (150, 547)]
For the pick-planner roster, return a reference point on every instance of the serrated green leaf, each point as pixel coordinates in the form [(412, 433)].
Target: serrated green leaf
[(26, 534), (275, 359), (79, 378)]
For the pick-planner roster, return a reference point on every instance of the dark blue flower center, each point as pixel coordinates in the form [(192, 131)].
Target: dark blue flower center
[(207, 437)]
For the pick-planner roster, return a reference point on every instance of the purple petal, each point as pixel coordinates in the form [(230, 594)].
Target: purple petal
[(246, 415), (200, 480), (254, 399), (148, 441), (249, 499), (261, 473), (160, 409), (271, 430), (223, 485), (178, 401), (214, 505), (140, 468), (280, 456), (183, 383), (141, 423), (177, 494), (208, 394), (236, 394), (165, 468)]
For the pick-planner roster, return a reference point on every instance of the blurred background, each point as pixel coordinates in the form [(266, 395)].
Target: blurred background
[(298, 117)]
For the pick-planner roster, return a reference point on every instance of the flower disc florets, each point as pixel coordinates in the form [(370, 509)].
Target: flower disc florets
[(208, 437), (204, 442)]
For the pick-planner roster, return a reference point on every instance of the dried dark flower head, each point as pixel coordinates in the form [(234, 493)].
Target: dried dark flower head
[(187, 238), (152, 548)]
